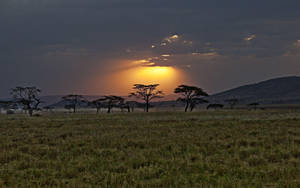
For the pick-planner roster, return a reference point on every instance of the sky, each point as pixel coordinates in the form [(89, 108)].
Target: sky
[(96, 47)]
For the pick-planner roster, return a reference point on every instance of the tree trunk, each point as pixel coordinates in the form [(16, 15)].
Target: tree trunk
[(192, 107), (186, 107), (30, 112), (147, 106)]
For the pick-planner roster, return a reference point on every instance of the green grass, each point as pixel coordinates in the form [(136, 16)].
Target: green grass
[(167, 149)]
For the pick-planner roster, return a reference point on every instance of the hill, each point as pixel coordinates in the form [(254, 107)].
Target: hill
[(275, 91), (284, 90)]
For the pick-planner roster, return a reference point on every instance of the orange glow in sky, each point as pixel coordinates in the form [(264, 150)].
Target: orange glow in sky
[(120, 82), (152, 74), (167, 77)]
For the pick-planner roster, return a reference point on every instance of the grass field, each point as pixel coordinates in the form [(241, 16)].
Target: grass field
[(167, 149)]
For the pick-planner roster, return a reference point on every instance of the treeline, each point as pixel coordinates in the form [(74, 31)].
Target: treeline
[(28, 99)]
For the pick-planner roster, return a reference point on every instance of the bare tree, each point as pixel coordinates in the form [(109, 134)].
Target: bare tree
[(190, 95), (74, 101), (146, 93), (27, 97)]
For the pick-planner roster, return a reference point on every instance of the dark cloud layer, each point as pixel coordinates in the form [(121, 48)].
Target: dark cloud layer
[(58, 44)]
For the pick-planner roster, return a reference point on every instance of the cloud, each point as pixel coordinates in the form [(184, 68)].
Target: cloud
[(41, 38), (209, 54), (250, 37), (172, 38)]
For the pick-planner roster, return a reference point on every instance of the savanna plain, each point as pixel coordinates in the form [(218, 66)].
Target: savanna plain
[(226, 148)]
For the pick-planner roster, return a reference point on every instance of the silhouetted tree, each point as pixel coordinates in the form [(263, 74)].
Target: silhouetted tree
[(195, 102), (48, 108), (74, 101), (112, 101), (132, 105), (215, 106), (27, 97), (190, 95), (98, 103), (146, 93), (6, 105), (124, 106), (254, 105), (69, 107), (232, 102)]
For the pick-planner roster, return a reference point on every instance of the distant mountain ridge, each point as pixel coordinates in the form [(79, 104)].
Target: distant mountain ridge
[(273, 91), (284, 90)]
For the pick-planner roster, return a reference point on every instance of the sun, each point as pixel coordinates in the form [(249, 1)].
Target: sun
[(121, 81), (168, 77), (150, 74)]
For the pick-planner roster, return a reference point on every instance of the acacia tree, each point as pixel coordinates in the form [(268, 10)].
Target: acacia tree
[(98, 104), (124, 105), (27, 97), (254, 105), (232, 102), (48, 108), (132, 105), (73, 101), (195, 102), (6, 105), (146, 93), (68, 107), (112, 101), (190, 95)]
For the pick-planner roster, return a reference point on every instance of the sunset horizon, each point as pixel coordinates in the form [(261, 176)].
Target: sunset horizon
[(150, 93)]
